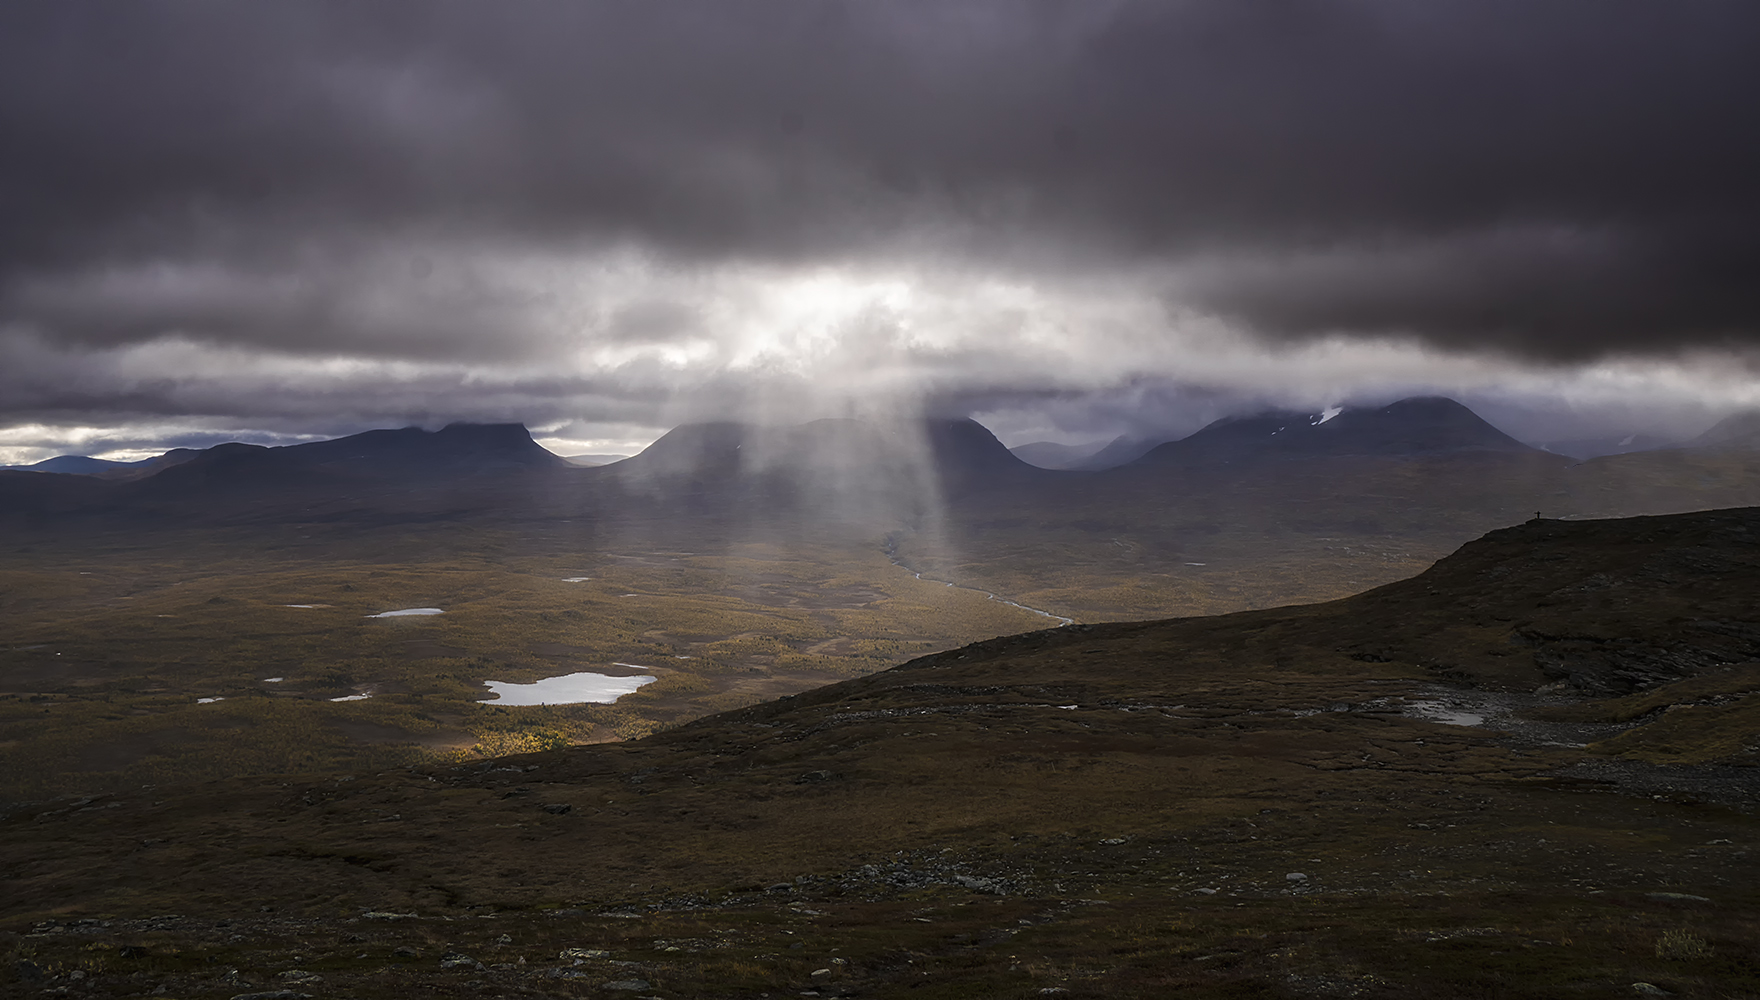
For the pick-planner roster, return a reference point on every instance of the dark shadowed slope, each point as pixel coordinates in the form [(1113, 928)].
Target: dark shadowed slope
[(1121, 450), (1739, 431)]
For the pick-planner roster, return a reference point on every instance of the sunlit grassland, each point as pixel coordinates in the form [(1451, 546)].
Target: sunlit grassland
[(105, 649)]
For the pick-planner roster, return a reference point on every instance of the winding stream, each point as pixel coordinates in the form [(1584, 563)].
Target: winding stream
[(892, 556)]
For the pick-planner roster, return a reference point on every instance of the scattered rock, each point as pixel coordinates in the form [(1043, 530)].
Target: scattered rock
[(568, 953), (1676, 897), (812, 777), (273, 995), (299, 976), (979, 884), (558, 808), (1650, 991), (386, 915), (627, 984), (455, 960), (1296, 877)]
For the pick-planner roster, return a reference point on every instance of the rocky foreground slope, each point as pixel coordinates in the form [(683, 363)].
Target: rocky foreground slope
[(1529, 771)]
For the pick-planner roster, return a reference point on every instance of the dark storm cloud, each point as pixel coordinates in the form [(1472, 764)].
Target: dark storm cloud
[(1558, 180)]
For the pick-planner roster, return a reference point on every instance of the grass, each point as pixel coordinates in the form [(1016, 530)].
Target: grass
[(104, 649)]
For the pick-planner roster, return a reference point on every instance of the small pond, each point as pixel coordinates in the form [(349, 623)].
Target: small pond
[(1447, 714), (568, 689)]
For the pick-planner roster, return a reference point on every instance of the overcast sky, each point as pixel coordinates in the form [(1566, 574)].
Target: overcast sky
[(273, 220)]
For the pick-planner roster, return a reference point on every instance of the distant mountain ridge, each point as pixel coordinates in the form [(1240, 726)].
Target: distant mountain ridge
[(1424, 425), (1091, 457), (72, 465), (103, 468), (1051, 455), (592, 461), (839, 471), (454, 449)]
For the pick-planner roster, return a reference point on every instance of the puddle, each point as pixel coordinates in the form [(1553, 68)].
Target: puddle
[(208, 701), (576, 579), (568, 689), (1506, 712), (407, 612), (1448, 715), (353, 697), (273, 680), (307, 606)]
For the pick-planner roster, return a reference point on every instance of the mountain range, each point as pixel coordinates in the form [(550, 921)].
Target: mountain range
[(955, 452), (935, 455), (1247, 512), (1741, 430)]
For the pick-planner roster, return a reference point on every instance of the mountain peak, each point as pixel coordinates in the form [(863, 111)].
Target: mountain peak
[(1420, 425), (959, 451), (470, 447)]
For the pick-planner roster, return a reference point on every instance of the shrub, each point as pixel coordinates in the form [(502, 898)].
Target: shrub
[(1682, 944)]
